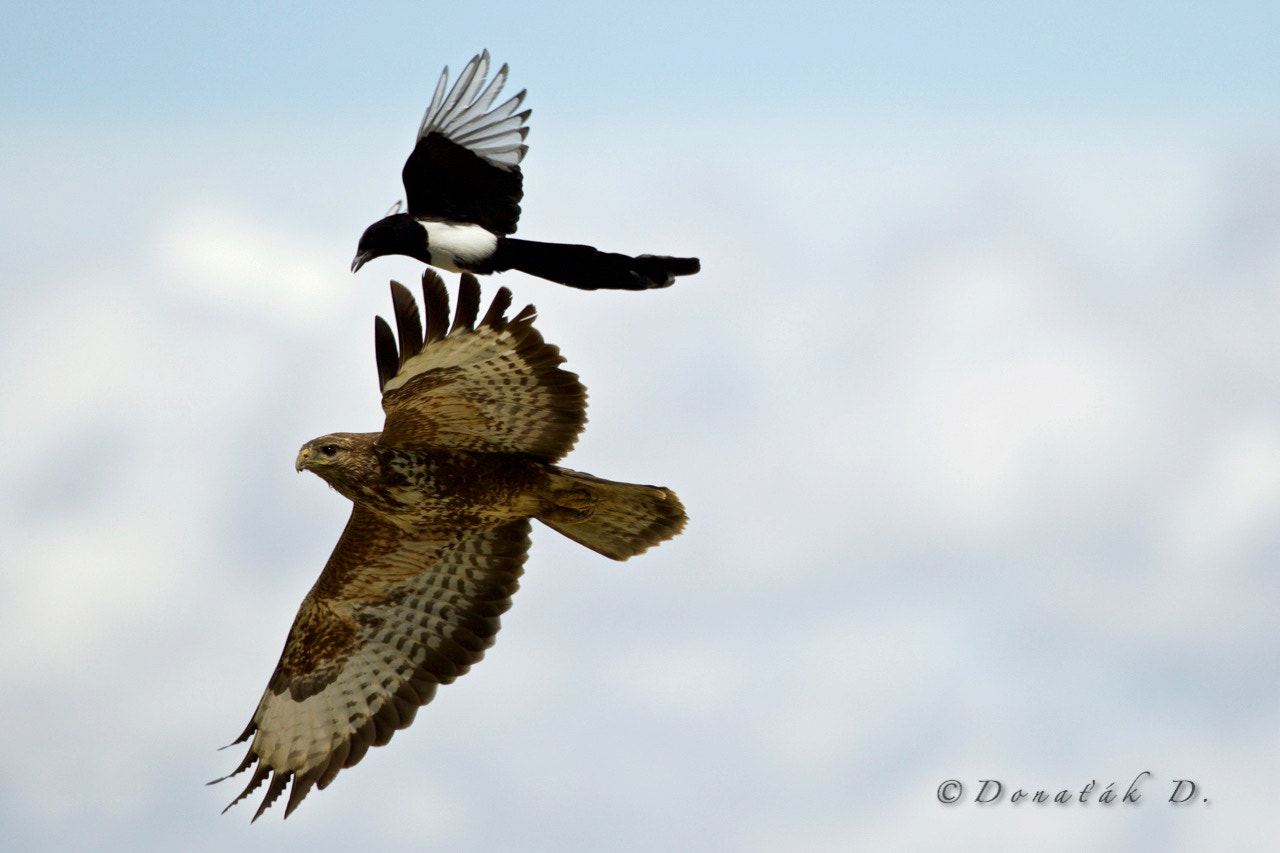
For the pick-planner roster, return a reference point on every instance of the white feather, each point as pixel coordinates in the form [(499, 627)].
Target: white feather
[(463, 115), (457, 247)]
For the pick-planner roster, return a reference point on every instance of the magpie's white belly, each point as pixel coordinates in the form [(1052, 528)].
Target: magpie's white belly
[(457, 247)]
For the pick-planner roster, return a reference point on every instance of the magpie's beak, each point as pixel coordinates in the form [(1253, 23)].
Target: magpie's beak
[(360, 260)]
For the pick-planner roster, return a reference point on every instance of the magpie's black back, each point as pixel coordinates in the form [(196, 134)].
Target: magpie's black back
[(444, 180)]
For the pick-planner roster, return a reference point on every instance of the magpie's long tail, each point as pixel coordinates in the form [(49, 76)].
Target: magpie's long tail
[(589, 268)]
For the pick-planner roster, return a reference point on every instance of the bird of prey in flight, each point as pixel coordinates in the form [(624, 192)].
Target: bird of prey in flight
[(477, 414)]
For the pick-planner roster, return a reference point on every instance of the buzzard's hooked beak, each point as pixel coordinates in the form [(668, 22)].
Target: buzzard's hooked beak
[(304, 456), (360, 260)]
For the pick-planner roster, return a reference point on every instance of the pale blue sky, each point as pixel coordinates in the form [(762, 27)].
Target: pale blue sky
[(975, 407), (241, 61)]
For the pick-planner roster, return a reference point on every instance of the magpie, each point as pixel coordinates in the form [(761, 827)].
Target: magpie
[(463, 187)]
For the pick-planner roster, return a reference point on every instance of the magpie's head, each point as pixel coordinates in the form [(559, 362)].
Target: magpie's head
[(398, 234)]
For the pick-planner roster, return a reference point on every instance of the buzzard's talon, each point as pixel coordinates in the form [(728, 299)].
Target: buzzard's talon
[(569, 505)]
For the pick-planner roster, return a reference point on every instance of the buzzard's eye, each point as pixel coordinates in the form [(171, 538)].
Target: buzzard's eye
[(329, 449)]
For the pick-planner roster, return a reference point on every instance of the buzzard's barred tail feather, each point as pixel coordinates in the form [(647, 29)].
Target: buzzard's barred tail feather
[(588, 268), (618, 520)]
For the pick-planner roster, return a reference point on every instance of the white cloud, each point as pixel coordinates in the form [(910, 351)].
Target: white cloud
[(233, 259), (1232, 497), (954, 470), (997, 402)]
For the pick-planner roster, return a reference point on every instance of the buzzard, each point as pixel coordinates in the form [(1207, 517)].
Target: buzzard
[(463, 186), (476, 415)]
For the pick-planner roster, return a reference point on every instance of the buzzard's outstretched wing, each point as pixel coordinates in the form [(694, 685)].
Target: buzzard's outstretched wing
[(495, 386), (390, 618), (465, 165)]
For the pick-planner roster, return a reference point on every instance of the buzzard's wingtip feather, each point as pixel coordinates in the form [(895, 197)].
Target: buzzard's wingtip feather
[(385, 351), (278, 781), (496, 314), (435, 298), (244, 765), (260, 774), (360, 740), (300, 788), (468, 304), (408, 323), (337, 760), (526, 316)]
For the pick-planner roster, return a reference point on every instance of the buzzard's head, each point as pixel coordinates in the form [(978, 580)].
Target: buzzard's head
[(344, 460)]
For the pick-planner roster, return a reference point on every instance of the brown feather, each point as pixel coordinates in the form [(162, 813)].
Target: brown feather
[(278, 781), (337, 760), (259, 776), (498, 387), (468, 304), (301, 785), (526, 316), (384, 346), (494, 316), (361, 740), (408, 326), (428, 625), (435, 304), (384, 724)]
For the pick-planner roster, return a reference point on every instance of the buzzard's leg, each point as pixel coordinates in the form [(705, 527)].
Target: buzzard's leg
[(569, 505)]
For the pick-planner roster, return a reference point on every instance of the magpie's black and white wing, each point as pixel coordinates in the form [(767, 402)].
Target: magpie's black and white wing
[(465, 166)]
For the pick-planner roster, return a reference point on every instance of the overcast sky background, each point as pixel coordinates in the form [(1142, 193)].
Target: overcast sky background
[(975, 408)]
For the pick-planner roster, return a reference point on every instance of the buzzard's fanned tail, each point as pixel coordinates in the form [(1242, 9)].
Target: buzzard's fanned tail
[(618, 520), (588, 268)]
